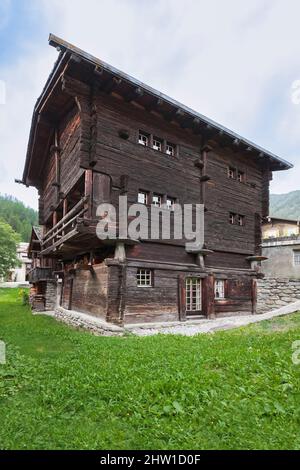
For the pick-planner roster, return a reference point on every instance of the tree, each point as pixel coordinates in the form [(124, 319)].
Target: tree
[(8, 248)]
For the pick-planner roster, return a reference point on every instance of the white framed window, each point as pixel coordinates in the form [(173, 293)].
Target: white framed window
[(143, 197), (231, 173), (193, 295), (170, 202), (241, 220), (143, 139), (157, 144), (156, 200), (241, 176), (219, 289), (170, 149), (231, 218), (144, 277), (296, 258)]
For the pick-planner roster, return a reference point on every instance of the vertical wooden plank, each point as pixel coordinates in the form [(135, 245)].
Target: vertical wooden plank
[(54, 218), (71, 281), (209, 296), (65, 207), (181, 298), (254, 295), (88, 191), (101, 190)]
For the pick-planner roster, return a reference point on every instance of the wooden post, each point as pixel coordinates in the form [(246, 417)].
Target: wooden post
[(254, 295), (181, 298), (88, 191), (209, 296)]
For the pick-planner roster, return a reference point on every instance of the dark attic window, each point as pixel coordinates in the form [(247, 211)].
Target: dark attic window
[(143, 139), (241, 220), (231, 218), (241, 176), (231, 172)]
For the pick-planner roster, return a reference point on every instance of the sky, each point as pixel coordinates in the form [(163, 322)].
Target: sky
[(235, 62)]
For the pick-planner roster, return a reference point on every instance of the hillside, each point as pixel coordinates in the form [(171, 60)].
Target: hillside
[(286, 206), (20, 217)]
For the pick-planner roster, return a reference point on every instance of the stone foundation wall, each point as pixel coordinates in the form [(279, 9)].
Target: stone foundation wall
[(82, 320), (273, 293), (50, 295)]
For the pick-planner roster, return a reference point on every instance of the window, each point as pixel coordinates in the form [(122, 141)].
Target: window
[(170, 149), (170, 202), (241, 220), (144, 278), (231, 218), (241, 176), (157, 144), (231, 173), (143, 139), (142, 197), (193, 295), (296, 258), (156, 200), (219, 289)]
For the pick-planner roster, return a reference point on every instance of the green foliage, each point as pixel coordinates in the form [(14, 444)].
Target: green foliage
[(20, 217), (66, 389), (8, 248), (24, 296), (285, 206)]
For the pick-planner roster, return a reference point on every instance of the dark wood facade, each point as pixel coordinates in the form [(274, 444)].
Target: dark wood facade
[(83, 150)]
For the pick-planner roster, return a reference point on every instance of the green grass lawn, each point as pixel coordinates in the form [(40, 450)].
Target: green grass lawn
[(67, 389)]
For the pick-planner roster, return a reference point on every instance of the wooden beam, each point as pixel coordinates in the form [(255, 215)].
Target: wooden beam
[(134, 94)]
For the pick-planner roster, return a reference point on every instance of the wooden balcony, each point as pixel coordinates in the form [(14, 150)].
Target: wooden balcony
[(65, 229), (40, 274)]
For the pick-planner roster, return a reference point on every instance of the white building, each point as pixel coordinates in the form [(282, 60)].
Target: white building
[(18, 274)]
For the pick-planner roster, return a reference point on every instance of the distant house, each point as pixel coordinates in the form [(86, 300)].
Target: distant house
[(281, 245), (19, 273)]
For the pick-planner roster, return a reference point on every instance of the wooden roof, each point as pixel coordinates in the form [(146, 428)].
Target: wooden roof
[(93, 71)]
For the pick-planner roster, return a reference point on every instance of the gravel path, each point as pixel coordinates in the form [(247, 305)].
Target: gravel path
[(210, 326)]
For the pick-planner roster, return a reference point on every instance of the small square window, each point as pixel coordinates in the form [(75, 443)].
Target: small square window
[(231, 218), (143, 139), (143, 197), (170, 149), (241, 220), (157, 144), (231, 173), (219, 289), (241, 176), (296, 258), (156, 200), (170, 202), (144, 277)]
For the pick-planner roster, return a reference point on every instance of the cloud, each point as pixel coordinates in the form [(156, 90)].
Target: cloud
[(233, 61)]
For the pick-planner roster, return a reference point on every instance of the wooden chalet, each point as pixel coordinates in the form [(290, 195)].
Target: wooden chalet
[(98, 133)]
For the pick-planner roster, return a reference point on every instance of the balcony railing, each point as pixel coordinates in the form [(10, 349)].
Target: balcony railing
[(63, 229), (40, 274)]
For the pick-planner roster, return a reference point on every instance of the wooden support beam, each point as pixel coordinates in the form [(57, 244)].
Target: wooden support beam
[(134, 94), (111, 84), (88, 192)]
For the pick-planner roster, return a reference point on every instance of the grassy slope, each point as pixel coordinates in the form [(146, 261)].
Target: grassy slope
[(64, 388)]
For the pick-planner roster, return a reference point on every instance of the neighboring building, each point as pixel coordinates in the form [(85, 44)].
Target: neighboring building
[(281, 245), (19, 273), (98, 133), (277, 228)]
